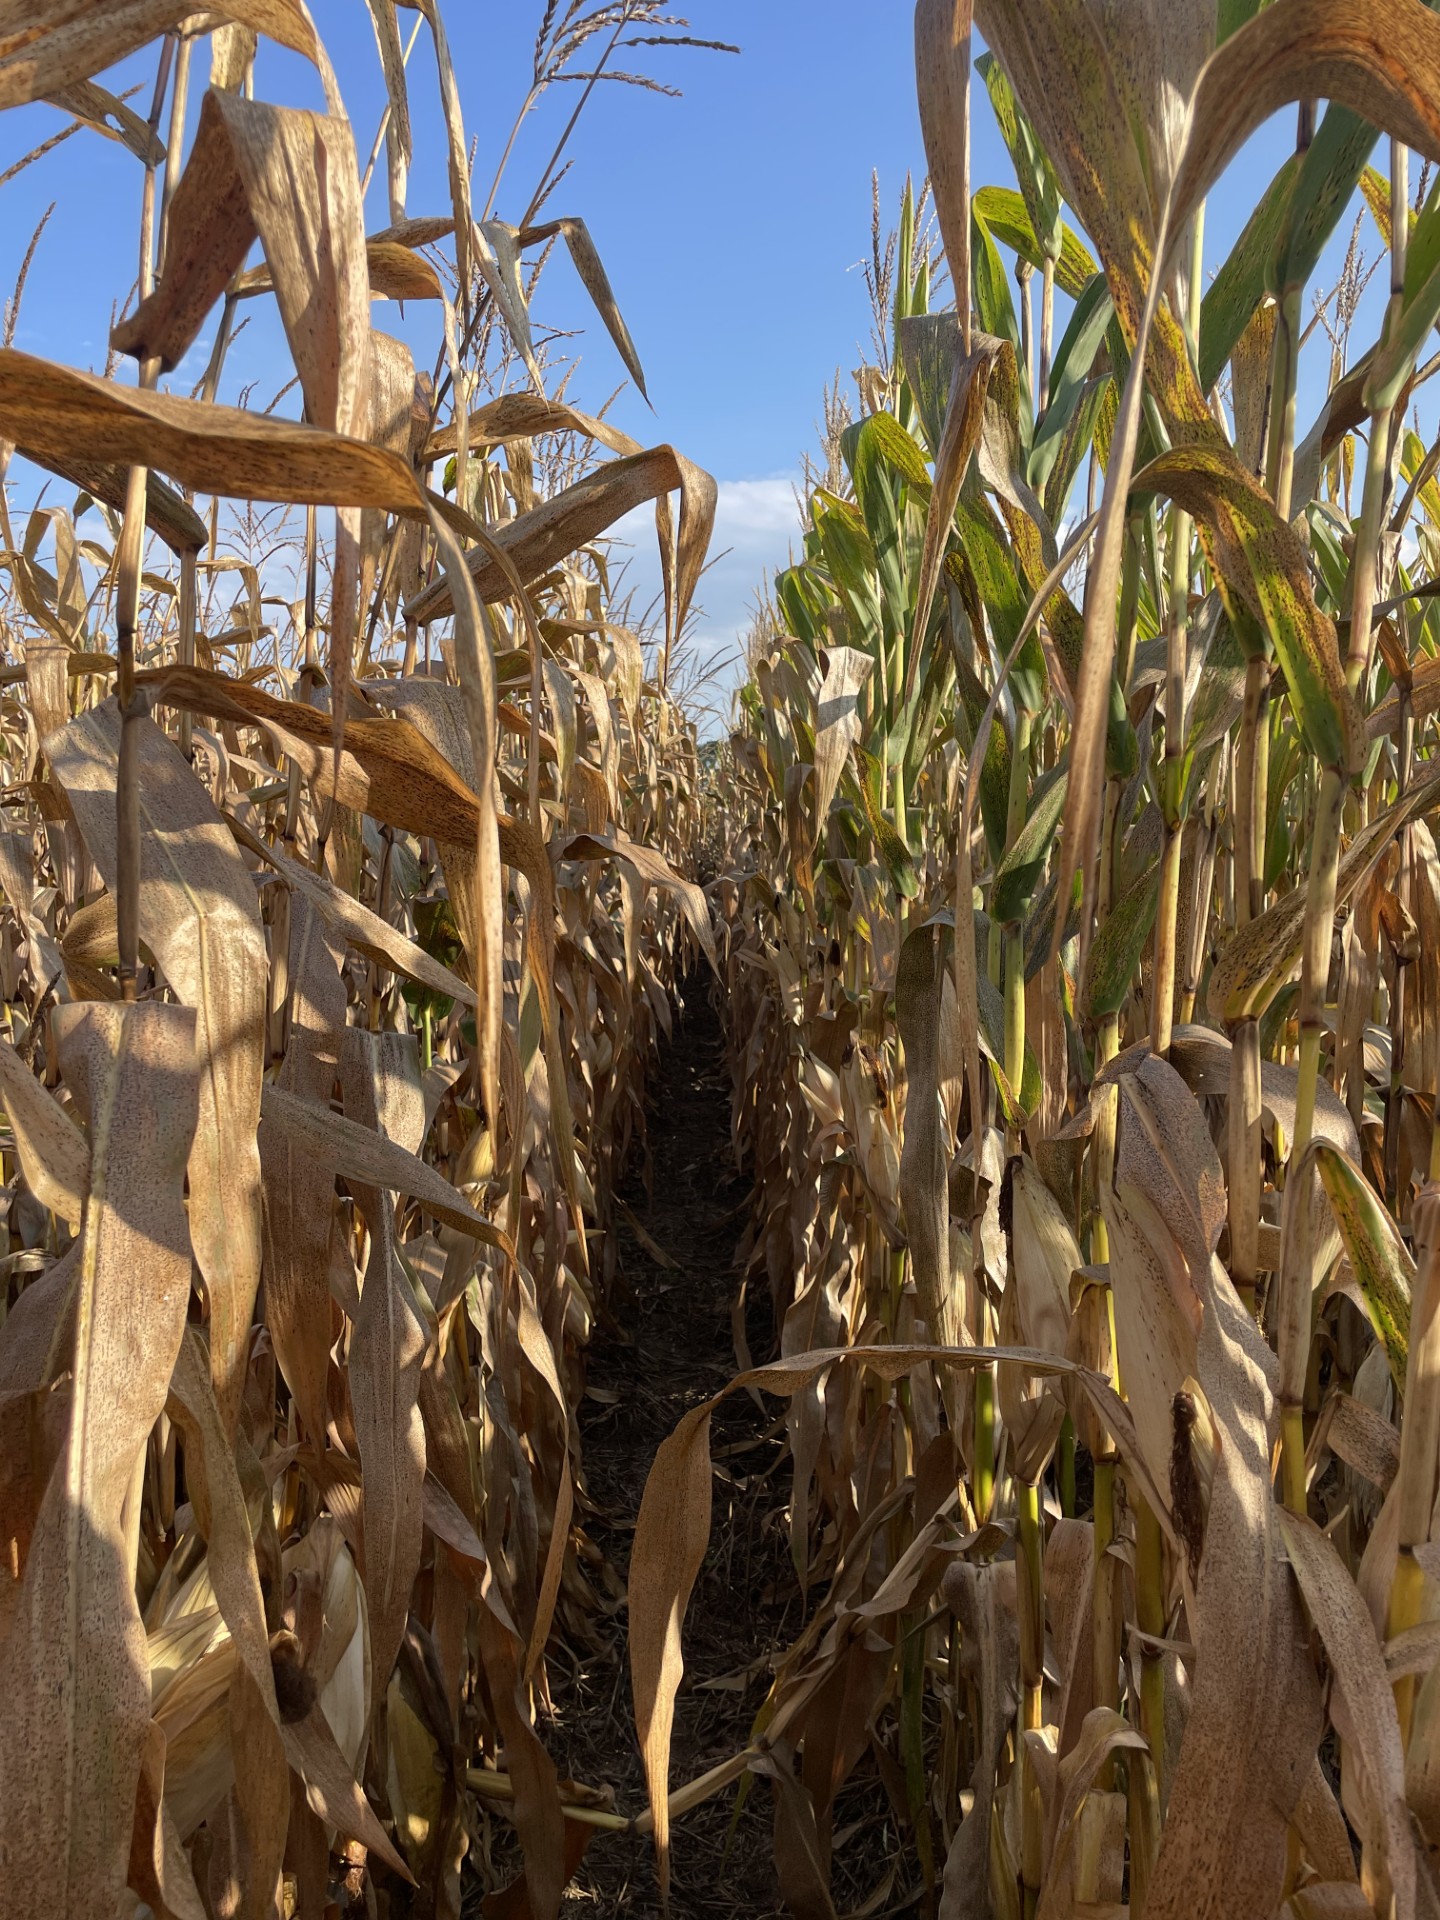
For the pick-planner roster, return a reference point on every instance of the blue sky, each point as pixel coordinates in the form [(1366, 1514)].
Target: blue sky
[(732, 222)]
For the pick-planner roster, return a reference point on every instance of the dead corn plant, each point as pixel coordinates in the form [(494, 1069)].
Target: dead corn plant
[(341, 913)]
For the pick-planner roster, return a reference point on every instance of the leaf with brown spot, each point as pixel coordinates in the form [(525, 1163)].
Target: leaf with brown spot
[(54, 1156), (39, 55), (60, 415)]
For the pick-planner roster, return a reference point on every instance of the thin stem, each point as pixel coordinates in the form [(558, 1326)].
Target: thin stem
[(1014, 935), (129, 561), (174, 146), (388, 114), (1047, 329), (1150, 1599), (1245, 1162), (537, 198), (185, 639), (1285, 363), (1172, 797)]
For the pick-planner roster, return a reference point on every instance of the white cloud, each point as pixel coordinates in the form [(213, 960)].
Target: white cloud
[(757, 525)]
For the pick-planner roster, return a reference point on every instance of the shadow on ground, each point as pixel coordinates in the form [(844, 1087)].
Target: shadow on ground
[(674, 1348)]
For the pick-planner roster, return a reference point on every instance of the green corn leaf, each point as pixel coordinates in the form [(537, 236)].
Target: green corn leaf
[(1331, 167), (1115, 955), (1070, 376), (1260, 565), (1002, 212), (893, 851), (1038, 184), (1024, 862)]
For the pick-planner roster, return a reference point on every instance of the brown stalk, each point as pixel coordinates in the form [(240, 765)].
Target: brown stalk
[(128, 560)]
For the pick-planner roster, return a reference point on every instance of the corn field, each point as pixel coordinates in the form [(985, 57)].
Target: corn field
[(1067, 890)]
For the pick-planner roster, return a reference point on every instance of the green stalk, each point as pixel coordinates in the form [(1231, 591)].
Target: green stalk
[(1150, 1598), (1295, 1277), (1251, 781), (1366, 570), (1172, 787), (1285, 361), (1065, 1467), (1294, 1323), (1200, 915), (983, 1447), (1030, 1570), (1285, 365), (1014, 934)]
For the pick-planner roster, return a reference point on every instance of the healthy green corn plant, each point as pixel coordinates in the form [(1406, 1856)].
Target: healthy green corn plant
[(1161, 957)]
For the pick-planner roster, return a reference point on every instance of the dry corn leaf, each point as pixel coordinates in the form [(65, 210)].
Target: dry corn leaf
[(65, 42), (167, 513), (924, 1191), (1256, 1711), (199, 918), (298, 1185), (596, 281), (942, 77), (261, 1804), (673, 1529), (654, 870), (380, 1076), (358, 924), (366, 1157), (526, 416), (1361, 1699), (54, 1156), (59, 415), (578, 514), (332, 1789), (77, 1703)]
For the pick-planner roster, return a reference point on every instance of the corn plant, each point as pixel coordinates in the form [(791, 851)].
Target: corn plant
[(1075, 918), (347, 821)]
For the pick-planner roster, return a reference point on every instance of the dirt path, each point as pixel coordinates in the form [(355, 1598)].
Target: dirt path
[(675, 1349)]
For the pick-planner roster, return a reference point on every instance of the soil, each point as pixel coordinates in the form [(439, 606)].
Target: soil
[(672, 1347)]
